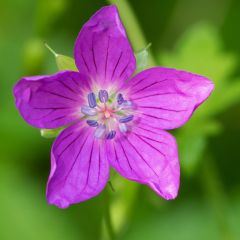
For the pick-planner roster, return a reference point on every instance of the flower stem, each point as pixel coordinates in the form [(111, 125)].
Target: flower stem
[(216, 197), (134, 31), (107, 215)]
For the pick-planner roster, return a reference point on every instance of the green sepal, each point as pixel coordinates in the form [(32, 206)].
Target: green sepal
[(50, 133), (63, 62), (142, 58)]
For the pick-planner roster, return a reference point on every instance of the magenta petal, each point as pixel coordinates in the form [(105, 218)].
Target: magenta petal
[(149, 156), (166, 98), (102, 49), (51, 101), (79, 168)]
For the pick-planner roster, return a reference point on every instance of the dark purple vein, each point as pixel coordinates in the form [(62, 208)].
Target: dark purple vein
[(154, 140), (149, 115), (120, 56), (153, 127), (155, 82), (89, 166), (167, 109), (60, 154), (75, 82), (75, 159), (52, 108), (59, 95), (68, 87), (150, 145), (125, 154), (139, 154), (85, 62), (44, 116), (144, 88), (93, 56), (156, 94), (142, 79), (125, 68), (115, 151), (57, 118), (106, 61), (65, 137), (99, 163)]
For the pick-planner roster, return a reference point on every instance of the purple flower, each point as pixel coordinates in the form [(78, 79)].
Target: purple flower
[(110, 121)]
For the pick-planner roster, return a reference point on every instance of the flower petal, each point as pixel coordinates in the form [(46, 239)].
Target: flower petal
[(51, 101), (166, 98), (102, 50), (147, 155), (79, 168)]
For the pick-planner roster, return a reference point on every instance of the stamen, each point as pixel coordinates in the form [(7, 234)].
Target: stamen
[(111, 118), (100, 131), (103, 96), (120, 98), (92, 123), (126, 119), (123, 127), (86, 110), (111, 135), (126, 104), (92, 100)]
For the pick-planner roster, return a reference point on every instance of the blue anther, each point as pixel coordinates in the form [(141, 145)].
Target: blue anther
[(120, 99), (103, 96), (92, 123), (126, 119), (92, 100), (111, 135), (100, 131), (86, 110)]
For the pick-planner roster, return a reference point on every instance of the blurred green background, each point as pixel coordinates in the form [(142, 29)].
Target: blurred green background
[(199, 36)]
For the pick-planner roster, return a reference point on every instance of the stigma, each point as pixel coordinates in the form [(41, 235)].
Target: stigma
[(107, 114)]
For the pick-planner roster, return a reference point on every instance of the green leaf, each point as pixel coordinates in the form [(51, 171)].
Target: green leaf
[(230, 96), (33, 56), (26, 208), (200, 50), (123, 202), (50, 133), (193, 142), (63, 62), (187, 217), (142, 58)]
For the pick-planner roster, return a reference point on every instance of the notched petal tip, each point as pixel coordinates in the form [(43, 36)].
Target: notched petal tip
[(106, 17), (102, 50)]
